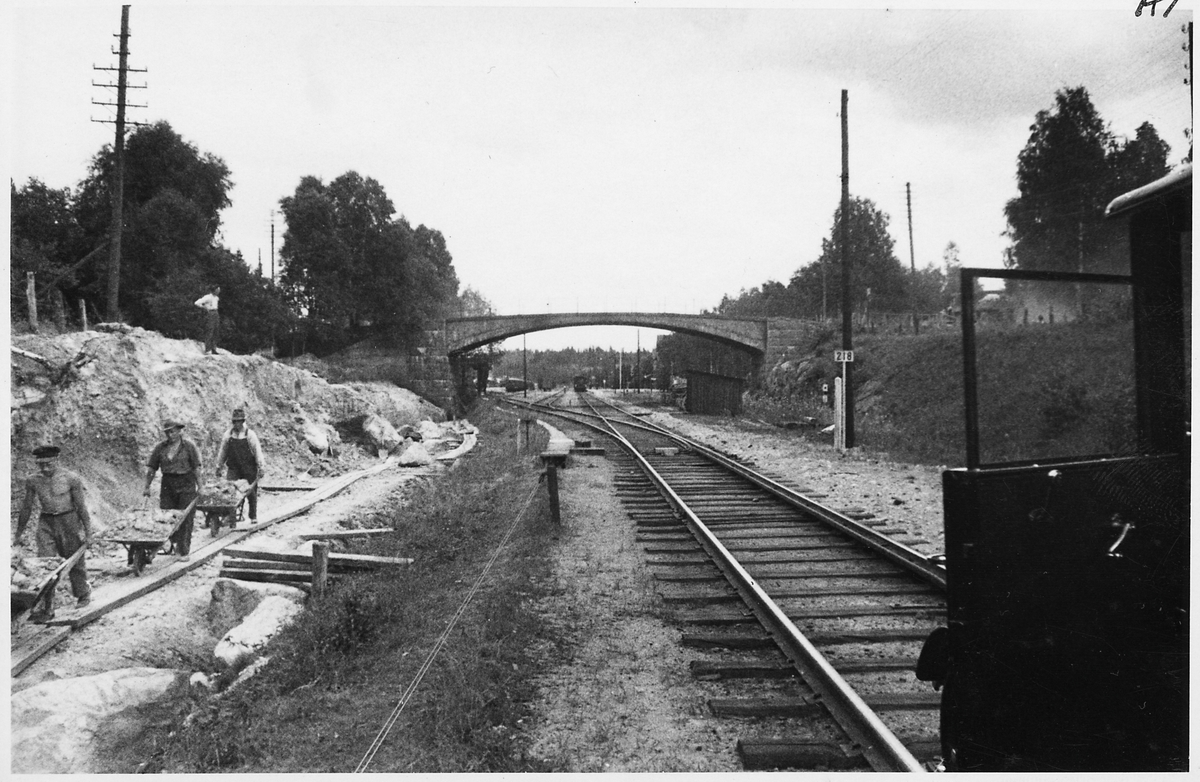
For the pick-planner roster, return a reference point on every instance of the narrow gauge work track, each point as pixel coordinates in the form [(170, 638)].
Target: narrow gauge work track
[(804, 614)]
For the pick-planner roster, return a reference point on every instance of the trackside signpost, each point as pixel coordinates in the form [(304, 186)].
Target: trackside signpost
[(842, 357)]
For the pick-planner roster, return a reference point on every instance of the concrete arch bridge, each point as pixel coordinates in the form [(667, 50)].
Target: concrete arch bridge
[(765, 339)]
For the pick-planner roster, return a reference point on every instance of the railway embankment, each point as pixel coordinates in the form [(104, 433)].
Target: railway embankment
[(1068, 383)]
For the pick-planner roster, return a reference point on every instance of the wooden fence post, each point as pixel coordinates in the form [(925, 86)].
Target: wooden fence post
[(59, 306), (552, 483), (31, 300), (320, 567), (83, 313)]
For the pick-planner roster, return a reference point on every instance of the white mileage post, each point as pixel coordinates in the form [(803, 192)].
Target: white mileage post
[(842, 357)]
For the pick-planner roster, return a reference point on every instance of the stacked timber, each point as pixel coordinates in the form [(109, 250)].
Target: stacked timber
[(297, 568)]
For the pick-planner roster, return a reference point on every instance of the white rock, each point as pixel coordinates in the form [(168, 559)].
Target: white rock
[(429, 430), (256, 630), (232, 601), (54, 723), (382, 434), (414, 455)]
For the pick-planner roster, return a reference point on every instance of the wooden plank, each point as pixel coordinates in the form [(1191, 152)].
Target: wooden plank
[(706, 670), (238, 563), (346, 560), (35, 645), (284, 487), (261, 574), (273, 577), (765, 707), (348, 534), (760, 754)]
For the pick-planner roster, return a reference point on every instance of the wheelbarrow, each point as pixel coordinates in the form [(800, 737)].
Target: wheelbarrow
[(24, 601), (143, 549), (217, 514)]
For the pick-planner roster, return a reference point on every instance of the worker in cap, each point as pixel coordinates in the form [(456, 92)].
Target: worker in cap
[(242, 455), (63, 522), (179, 460)]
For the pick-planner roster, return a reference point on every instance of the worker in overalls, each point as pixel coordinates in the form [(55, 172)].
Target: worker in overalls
[(242, 453)]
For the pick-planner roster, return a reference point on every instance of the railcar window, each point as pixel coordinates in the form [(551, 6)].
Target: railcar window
[(1055, 371)]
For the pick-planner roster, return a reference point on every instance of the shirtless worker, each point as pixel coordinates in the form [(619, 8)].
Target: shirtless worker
[(63, 524)]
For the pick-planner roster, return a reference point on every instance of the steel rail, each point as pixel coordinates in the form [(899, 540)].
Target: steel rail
[(927, 568), (880, 747)]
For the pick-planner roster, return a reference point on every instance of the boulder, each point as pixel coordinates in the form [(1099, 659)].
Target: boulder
[(414, 455), (233, 601), (429, 430), (382, 434), (57, 724), (244, 642)]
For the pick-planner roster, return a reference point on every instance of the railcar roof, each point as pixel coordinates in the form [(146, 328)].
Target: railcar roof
[(1179, 180)]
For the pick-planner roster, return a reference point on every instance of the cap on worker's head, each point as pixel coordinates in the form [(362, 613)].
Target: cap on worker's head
[(239, 414), (46, 452), (170, 424)]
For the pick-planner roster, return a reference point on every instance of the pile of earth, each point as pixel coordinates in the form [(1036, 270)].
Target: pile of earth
[(103, 395)]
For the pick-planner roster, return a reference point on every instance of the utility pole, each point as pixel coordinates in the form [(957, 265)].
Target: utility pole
[(117, 186), (912, 257), (272, 247), (639, 361), (847, 341), (524, 369)]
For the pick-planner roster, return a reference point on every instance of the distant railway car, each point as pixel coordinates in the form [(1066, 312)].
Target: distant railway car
[(580, 382), (514, 384), (1066, 646)]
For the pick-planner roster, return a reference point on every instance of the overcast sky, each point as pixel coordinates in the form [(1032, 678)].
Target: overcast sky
[(613, 158)]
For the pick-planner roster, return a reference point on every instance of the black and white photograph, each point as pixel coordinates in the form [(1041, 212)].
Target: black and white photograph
[(642, 387)]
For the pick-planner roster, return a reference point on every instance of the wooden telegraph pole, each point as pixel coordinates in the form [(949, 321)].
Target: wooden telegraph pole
[(912, 256), (847, 322), (117, 191)]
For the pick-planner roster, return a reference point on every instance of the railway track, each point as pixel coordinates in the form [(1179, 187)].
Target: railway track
[(807, 622)]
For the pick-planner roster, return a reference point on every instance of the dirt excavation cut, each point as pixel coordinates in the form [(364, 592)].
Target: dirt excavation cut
[(158, 623)]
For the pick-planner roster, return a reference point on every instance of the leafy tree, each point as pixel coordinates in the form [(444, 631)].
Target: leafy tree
[(173, 195), (472, 303), (350, 266), (1069, 170), (43, 236), (874, 266), (773, 299)]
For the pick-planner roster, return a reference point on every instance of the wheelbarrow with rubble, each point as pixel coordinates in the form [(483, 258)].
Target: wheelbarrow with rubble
[(25, 600), (223, 505), (144, 540)]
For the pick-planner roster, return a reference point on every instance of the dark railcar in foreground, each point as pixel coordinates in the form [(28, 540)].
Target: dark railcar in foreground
[(1067, 640)]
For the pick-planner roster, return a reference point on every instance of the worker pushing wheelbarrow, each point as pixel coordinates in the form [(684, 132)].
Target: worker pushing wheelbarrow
[(242, 455), (34, 580), (222, 503), (146, 532)]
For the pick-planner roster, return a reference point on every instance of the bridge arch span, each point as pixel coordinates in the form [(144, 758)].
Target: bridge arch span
[(466, 334)]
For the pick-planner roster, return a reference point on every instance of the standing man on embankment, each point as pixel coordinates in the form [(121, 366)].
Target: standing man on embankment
[(179, 460), (212, 319), (241, 451), (63, 525)]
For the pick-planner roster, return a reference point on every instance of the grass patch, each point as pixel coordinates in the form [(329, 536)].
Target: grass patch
[(337, 674), (1061, 390)]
